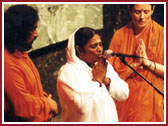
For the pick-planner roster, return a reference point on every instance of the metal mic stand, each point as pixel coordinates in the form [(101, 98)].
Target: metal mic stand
[(122, 58)]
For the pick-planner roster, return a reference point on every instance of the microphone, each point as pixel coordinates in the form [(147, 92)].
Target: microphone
[(109, 53)]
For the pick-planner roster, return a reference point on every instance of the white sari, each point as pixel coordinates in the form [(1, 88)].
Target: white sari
[(83, 100)]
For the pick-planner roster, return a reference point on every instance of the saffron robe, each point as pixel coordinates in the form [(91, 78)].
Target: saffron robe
[(23, 87), (144, 103)]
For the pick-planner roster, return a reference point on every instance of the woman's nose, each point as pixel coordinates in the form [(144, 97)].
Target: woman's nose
[(142, 15), (99, 48)]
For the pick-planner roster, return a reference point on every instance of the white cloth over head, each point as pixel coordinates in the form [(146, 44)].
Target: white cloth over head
[(81, 98)]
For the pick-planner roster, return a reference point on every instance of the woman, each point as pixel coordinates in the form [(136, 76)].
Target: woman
[(145, 38), (87, 84)]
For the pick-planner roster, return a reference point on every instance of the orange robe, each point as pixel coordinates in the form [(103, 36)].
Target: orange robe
[(144, 103), (23, 88)]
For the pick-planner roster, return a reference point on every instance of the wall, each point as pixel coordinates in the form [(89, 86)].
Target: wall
[(58, 21)]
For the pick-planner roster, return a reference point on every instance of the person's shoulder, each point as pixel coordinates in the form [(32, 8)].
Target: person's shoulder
[(8, 58), (157, 28), (66, 68), (157, 25), (123, 29), (66, 73), (11, 63)]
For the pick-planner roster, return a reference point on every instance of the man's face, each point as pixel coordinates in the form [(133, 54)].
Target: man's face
[(33, 34), (141, 15), (93, 50)]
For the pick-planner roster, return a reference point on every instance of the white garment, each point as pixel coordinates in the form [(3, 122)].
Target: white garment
[(83, 100)]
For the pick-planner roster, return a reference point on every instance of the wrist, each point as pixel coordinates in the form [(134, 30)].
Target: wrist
[(151, 66), (148, 64), (106, 81)]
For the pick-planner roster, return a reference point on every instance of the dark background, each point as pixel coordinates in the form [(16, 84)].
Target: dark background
[(48, 60)]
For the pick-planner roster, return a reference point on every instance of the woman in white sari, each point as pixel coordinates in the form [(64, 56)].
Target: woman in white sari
[(87, 84)]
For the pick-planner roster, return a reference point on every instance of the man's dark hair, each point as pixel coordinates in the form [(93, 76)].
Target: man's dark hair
[(19, 21)]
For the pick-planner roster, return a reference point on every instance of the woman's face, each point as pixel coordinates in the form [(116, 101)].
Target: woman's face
[(141, 15), (92, 50)]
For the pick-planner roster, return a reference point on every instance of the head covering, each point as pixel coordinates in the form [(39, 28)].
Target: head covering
[(70, 50)]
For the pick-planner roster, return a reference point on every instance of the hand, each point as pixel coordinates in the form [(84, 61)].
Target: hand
[(99, 70), (141, 52), (53, 104), (51, 115)]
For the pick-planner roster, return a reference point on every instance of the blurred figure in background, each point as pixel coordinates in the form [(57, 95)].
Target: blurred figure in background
[(145, 38), (25, 99)]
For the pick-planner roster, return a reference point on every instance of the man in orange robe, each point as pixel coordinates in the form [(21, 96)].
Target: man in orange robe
[(25, 99), (145, 38)]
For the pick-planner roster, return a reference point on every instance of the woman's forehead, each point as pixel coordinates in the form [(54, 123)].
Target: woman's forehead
[(95, 39), (142, 6)]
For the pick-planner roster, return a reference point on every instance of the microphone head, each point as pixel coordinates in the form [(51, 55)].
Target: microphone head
[(107, 53)]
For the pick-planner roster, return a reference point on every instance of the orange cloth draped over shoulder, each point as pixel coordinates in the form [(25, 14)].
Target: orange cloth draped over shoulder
[(144, 103), (23, 88)]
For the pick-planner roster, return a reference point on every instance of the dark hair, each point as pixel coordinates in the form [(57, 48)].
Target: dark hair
[(132, 5), (19, 21), (83, 35)]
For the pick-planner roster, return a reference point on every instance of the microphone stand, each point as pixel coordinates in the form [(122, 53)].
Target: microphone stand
[(122, 58)]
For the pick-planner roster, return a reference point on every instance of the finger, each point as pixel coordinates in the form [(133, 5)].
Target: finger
[(106, 64), (56, 111), (137, 52), (141, 40), (51, 115), (103, 62), (104, 58), (100, 60), (101, 65), (50, 95), (138, 48), (142, 43)]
